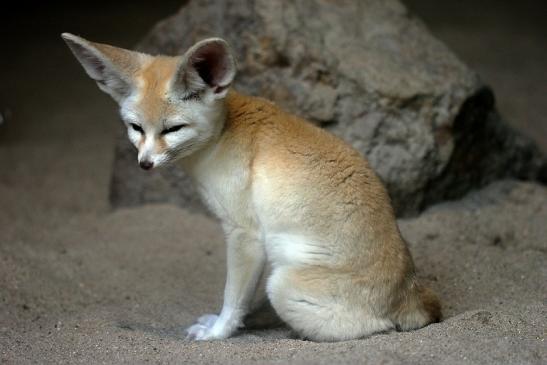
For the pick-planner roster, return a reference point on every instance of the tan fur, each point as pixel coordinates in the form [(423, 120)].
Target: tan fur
[(153, 80), (126, 61), (285, 191)]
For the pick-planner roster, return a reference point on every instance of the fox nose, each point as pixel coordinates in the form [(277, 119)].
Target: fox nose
[(146, 165)]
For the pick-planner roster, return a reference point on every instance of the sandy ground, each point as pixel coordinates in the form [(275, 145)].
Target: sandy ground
[(120, 287), (82, 284)]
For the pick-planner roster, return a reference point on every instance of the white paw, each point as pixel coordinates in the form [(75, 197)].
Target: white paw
[(208, 320), (205, 329)]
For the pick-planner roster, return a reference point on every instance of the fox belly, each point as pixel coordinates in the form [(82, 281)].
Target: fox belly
[(292, 249)]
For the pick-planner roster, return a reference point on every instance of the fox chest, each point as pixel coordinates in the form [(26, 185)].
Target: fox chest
[(227, 195)]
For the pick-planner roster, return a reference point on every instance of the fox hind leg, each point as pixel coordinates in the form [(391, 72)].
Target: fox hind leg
[(308, 301)]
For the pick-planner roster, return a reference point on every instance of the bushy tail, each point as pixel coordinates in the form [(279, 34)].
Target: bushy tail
[(421, 307), (431, 303)]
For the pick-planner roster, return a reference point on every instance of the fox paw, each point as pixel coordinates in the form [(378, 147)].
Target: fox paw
[(205, 329)]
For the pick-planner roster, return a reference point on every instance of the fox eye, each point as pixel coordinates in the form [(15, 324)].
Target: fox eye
[(192, 96), (136, 127), (173, 128)]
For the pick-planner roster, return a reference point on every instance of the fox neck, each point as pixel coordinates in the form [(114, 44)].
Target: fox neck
[(196, 161), (225, 163)]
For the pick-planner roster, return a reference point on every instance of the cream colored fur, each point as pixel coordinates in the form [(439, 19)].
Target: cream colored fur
[(287, 193)]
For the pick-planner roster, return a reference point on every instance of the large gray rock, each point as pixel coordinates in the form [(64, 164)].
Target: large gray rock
[(366, 70)]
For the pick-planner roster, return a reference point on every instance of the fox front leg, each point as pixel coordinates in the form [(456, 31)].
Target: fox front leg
[(245, 263)]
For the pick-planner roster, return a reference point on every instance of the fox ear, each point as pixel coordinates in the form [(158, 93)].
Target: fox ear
[(111, 67), (208, 64)]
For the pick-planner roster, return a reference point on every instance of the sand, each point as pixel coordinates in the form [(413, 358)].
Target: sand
[(120, 287)]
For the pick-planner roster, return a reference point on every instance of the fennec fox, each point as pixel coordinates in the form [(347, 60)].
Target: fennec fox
[(286, 192)]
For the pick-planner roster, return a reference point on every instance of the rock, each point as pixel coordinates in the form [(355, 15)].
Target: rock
[(368, 71)]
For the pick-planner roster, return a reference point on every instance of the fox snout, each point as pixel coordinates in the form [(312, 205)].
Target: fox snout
[(145, 157), (146, 165), (150, 152)]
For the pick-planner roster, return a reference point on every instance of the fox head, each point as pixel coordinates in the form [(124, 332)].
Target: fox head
[(171, 106)]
